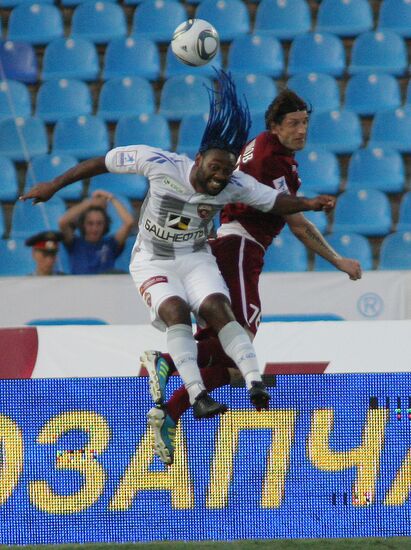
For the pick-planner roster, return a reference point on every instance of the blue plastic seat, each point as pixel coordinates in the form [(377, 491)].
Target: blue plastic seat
[(73, 3), (98, 21), (19, 61), (367, 94), (315, 52), (83, 137), (377, 51), (132, 186), (336, 131), (286, 253), (175, 67), (62, 98), (319, 170), (254, 53), (284, 20), (9, 184), (258, 89), (366, 211), (320, 90), (404, 216), (28, 219), (408, 93), (15, 99), (190, 133), (122, 262), (392, 129), (257, 124), (35, 23), (21, 137), (149, 129), (47, 167), (157, 19), (348, 245), (344, 17), (229, 17), (376, 168), (184, 95), (13, 3), (2, 222), (70, 58), (395, 252), (16, 258), (395, 15), (125, 96), (123, 58)]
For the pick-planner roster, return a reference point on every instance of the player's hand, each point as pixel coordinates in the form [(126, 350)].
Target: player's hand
[(322, 202), (349, 266), (102, 197), (41, 192)]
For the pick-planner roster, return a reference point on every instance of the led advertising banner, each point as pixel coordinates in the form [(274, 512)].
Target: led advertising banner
[(331, 458)]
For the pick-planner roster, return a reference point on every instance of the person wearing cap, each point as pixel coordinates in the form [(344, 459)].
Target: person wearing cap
[(45, 246)]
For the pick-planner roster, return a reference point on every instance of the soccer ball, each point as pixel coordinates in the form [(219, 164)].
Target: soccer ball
[(195, 42)]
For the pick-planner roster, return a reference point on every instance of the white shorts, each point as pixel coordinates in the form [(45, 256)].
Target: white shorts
[(192, 277)]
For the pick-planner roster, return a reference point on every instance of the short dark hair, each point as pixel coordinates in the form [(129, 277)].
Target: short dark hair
[(83, 215), (286, 102)]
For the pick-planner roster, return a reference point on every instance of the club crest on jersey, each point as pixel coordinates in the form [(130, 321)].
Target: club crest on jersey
[(125, 158), (205, 211), (281, 185), (178, 222)]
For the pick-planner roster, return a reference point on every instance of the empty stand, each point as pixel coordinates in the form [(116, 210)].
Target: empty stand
[(16, 258), (404, 217), (377, 51), (230, 17), (344, 17), (395, 15), (190, 133), (15, 99), (319, 170), (62, 98), (157, 19), (317, 52), (395, 252), (255, 53), (21, 138), (348, 245), (284, 20), (9, 183), (286, 253), (149, 129), (123, 58), (46, 167), (70, 58), (98, 21), (258, 89), (82, 137), (376, 168), (125, 96), (18, 61), (392, 129), (336, 131), (35, 23), (367, 94), (321, 91), (28, 219), (183, 95)]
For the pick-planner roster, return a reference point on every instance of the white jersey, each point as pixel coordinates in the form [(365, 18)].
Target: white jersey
[(175, 219)]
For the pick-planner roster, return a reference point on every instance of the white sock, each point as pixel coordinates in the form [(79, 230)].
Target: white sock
[(183, 350), (239, 348)]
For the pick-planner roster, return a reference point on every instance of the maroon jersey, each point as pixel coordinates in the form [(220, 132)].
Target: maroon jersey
[(272, 164)]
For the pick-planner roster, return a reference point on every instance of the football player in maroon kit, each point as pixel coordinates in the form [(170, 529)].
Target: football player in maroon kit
[(242, 239)]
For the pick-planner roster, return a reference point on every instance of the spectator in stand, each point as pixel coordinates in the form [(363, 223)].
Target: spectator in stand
[(94, 251), (45, 246)]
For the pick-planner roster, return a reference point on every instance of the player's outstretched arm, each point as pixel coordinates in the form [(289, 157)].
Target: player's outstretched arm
[(289, 204), (43, 191)]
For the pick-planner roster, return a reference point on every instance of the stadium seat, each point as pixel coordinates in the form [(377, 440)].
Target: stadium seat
[(28, 219), (286, 253), (62, 98), (344, 17), (47, 167), (2, 222), (183, 95), (122, 262), (404, 216), (132, 186), (190, 133), (319, 219), (366, 211), (19, 61), (35, 23), (315, 52), (15, 99), (257, 124), (367, 94), (230, 17), (377, 51), (258, 89), (348, 245), (9, 184), (395, 15), (392, 129), (174, 67), (83, 137), (321, 91), (336, 131), (157, 19), (16, 258), (395, 252), (98, 21), (319, 170), (12, 3), (125, 96), (149, 129), (376, 168), (21, 138), (258, 54), (284, 20), (123, 58), (69, 58)]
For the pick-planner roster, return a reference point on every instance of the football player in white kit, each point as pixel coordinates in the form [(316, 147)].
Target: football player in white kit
[(171, 264)]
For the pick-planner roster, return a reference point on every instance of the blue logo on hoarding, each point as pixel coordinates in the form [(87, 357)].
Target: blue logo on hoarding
[(370, 305)]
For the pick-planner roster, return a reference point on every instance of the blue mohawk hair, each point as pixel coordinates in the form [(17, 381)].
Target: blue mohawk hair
[(229, 119)]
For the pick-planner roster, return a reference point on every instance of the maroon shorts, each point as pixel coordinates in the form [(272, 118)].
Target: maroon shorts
[(240, 261)]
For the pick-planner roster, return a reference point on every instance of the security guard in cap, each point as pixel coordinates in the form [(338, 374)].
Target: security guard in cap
[(45, 246)]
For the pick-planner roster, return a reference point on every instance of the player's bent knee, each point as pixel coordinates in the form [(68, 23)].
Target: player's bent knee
[(174, 311), (216, 311)]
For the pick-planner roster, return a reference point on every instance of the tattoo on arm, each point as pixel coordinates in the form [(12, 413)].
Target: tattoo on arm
[(321, 246)]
